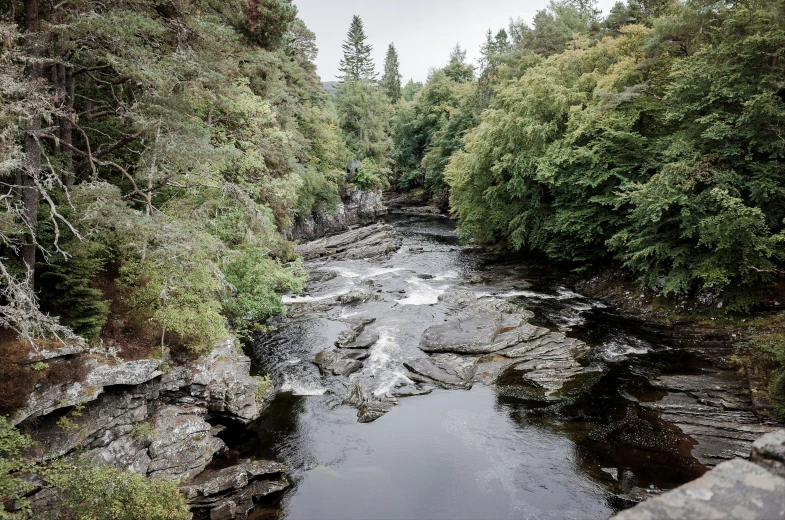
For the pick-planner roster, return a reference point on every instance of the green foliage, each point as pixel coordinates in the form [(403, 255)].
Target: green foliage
[(67, 288), (105, 493), (12, 464), (763, 353), (257, 282), (143, 433), (364, 112), (210, 133), (428, 130), (372, 175), (660, 146), (264, 385), (268, 21)]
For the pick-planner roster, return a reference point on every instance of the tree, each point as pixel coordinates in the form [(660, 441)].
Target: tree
[(269, 20), (357, 63), (457, 69), (364, 111), (391, 80)]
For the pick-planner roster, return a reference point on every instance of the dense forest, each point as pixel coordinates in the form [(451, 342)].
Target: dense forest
[(153, 154), (652, 138), (163, 149)]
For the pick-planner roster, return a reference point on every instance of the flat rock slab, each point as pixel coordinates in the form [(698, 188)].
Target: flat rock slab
[(481, 331), (355, 336), (367, 242), (445, 370), (735, 489), (715, 409), (233, 478)]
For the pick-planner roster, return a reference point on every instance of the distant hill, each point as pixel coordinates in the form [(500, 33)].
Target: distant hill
[(331, 86)]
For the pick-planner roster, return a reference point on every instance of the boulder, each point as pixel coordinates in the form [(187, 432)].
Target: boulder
[(336, 363), (369, 411), (769, 452), (213, 482), (221, 382), (445, 370), (734, 489), (184, 444)]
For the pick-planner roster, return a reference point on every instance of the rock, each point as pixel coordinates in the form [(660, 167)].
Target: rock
[(100, 422), (367, 242), (733, 490), (481, 328), (358, 354), (123, 453), (229, 492), (46, 398), (350, 337), (769, 452), (128, 373), (213, 482), (445, 370), (221, 382), (355, 397), (369, 411), (357, 207), (714, 409), (183, 444), (365, 340), (356, 296), (552, 363), (61, 350), (335, 363)]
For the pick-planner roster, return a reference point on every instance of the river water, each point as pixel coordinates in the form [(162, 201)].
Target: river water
[(483, 453)]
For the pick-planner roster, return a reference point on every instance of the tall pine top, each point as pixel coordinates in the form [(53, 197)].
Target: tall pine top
[(357, 62)]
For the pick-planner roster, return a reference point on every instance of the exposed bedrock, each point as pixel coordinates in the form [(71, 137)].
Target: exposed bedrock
[(489, 338), (367, 242), (357, 207), (138, 417)]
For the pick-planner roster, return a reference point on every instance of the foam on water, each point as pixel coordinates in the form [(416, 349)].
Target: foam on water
[(423, 294), (383, 362), (300, 387), (619, 348), (293, 298)]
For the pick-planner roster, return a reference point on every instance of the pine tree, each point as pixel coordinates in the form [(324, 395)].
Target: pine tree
[(458, 70), (357, 62), (391, 81)]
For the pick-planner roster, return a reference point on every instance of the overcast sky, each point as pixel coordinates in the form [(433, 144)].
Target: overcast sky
[(423, 31)]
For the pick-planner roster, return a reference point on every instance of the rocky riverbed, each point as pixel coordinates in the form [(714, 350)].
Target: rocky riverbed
[(507, 393)]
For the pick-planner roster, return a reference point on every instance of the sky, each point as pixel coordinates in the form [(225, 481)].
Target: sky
[(423, 31)]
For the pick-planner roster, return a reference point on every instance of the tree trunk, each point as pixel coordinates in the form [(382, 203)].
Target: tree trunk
[(66, 129), (32, 162)]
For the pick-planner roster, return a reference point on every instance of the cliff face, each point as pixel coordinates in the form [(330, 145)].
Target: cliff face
[(146, 417), (357, 207)]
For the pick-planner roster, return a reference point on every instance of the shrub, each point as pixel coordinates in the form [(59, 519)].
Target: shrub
[(105, 493)]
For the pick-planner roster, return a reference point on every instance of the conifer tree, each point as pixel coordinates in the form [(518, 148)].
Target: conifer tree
[(391, 81), (357, 62)]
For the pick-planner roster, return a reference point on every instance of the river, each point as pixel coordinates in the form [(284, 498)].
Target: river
[(487, 452)]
